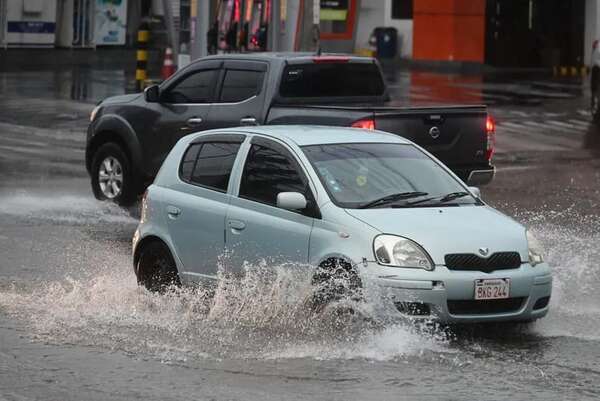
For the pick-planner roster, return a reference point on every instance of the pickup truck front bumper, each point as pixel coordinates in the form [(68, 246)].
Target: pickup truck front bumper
[(477, 175)]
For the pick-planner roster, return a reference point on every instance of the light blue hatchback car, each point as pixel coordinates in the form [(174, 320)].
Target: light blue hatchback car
[(366, 204)]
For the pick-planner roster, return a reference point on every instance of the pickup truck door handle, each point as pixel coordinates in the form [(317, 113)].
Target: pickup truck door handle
[(173, 211), (248, 121), (236, 226), (194, 121)]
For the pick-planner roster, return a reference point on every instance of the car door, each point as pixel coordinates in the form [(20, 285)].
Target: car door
[(240, 95), (183, 108), (257, 229), (196, 212)]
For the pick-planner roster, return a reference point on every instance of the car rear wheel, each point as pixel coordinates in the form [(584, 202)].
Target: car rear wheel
[(156, 269), (112, 178), (335, 280)]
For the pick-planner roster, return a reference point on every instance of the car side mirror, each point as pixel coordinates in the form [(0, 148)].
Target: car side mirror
[(152, 94), (291, 201), (475, 192)]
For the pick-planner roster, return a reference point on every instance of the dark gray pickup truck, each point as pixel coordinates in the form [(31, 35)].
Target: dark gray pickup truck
[(129, 136)]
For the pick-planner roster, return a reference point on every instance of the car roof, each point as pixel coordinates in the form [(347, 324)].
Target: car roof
[(303, 135)]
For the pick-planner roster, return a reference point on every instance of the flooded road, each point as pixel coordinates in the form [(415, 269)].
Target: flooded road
[(74, 324)]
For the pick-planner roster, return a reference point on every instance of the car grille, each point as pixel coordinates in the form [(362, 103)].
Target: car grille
[(469, 261), (490, 306)]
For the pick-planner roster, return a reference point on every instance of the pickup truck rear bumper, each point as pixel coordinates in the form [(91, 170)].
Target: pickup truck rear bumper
[(476, 175)]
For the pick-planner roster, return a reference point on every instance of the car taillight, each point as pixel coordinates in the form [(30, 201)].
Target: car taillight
[(367, 123), (490, 129)]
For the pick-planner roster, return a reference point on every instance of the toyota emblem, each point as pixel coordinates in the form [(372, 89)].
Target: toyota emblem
[(484, 251), (434, 132)]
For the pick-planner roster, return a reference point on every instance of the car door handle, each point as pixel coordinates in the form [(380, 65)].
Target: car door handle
[(194, 121), (236, 225), (248, 121), (173, 211)]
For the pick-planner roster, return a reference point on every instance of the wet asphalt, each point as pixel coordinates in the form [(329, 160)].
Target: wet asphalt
[(74, 325)]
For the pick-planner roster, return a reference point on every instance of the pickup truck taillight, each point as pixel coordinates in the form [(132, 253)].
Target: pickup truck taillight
[(490, 129), (330, 59), (367, 123)]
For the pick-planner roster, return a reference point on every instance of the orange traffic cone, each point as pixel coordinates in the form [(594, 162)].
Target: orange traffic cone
[(168, 67)]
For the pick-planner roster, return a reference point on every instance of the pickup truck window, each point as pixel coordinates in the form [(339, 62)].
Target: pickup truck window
[(331, 80), (209, 164), (239, 85), (268, 172), (194, 88)]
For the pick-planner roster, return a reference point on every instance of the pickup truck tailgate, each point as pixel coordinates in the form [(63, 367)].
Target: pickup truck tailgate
[(456, 135)]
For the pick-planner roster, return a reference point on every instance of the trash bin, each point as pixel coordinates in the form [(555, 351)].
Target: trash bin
[(385, 40)]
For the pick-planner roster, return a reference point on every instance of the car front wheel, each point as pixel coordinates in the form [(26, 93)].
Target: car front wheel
[(335, 280), (112, 178)]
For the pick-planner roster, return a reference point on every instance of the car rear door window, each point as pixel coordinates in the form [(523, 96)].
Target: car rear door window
[(209, 164), (268, 172), (239, 85), (195, 88)]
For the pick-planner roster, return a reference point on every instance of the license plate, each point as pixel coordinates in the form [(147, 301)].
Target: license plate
[(498, 288)]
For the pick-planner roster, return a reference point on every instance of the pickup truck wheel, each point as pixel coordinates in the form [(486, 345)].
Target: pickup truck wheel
[(334, 280), (595, 106), (111, 175), (156, 269)]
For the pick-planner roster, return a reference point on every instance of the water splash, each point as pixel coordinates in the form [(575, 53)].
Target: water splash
[(262, 315), (571, 244), (66, 209)]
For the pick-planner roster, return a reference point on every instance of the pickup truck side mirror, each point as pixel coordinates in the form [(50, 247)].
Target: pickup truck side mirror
[(291, 201), (475, 192), (152, 94)]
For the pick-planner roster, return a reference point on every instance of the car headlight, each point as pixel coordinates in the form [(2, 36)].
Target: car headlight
[(536, 250), (391, 250), (93, 113)]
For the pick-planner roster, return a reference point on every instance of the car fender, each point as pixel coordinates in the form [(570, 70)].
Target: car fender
[(337, 256), (151, 231), (106, 128)]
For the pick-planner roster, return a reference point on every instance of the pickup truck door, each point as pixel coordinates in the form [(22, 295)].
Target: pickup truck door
[(240, 96), (183, 108)]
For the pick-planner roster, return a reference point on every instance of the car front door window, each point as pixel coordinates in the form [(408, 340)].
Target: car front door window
[(268, 172), (195, 88)]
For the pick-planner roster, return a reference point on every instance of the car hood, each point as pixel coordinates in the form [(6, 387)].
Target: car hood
[(459, 229), (121, 99)]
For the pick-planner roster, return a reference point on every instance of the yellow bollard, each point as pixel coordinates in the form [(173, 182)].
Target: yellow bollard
[(142, 56)]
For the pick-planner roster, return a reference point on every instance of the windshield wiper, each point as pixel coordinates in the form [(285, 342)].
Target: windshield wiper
[(392, 198), (443, 198)]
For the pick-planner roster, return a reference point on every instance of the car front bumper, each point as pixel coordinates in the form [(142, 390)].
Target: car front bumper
[(448, 296)]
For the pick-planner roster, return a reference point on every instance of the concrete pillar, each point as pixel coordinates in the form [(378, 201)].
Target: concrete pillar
[(200, 45), (171, 29), (274, 26)]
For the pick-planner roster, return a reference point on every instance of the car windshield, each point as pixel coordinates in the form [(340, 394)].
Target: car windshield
[(365, 175)]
